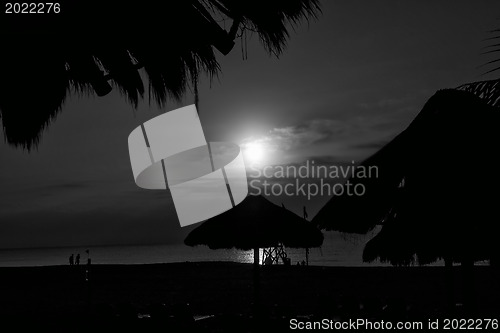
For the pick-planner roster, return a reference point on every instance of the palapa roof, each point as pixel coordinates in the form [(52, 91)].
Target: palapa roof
[(255, 223), (434, 195), (92, 46)]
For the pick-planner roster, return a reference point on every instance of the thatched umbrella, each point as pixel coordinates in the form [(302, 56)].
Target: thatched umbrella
[(434, 183), (91, 46), (253, 224), (433, 194)]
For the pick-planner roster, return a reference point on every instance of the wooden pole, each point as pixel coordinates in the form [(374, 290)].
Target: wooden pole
[(256, 257), (256, 286)]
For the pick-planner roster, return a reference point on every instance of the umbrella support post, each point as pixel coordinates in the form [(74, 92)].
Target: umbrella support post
[(256, 283), (256, 259)]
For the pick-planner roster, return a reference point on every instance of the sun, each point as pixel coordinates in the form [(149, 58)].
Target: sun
[(254, 152)]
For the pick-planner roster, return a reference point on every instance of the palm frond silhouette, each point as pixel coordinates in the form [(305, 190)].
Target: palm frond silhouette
[(488, 90), (89, 51)]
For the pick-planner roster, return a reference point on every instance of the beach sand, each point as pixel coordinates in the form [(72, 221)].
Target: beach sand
[(156, 296)]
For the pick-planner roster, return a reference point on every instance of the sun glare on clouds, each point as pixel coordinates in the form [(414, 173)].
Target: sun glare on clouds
[(254, 152)]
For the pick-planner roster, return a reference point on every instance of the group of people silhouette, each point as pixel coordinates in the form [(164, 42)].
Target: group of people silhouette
[(76, 260)]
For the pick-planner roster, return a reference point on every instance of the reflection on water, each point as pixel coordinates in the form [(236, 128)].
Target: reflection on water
[(337, 250)]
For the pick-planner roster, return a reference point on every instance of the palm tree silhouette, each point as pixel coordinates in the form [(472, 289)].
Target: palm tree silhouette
[(93, 47)]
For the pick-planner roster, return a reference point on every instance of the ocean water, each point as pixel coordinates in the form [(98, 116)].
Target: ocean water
[(337, 250)]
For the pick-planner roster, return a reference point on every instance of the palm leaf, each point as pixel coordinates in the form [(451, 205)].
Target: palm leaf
[(489, 91), (269, 19), (173, 42)]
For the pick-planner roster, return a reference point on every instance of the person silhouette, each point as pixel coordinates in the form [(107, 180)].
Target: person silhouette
[(71, 260), (78, 259)]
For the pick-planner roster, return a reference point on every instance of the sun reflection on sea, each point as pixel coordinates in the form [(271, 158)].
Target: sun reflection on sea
[(244, 256)]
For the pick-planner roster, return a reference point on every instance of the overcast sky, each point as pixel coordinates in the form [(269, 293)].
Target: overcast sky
[(346, 85)]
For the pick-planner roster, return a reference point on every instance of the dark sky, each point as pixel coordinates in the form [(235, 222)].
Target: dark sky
[(345, 86)]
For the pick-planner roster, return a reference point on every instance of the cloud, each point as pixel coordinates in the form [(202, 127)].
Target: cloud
[(386, 102), (311, 132), (145, 221), (94, 214), (329, 140), (370, 145), (307, 134)]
